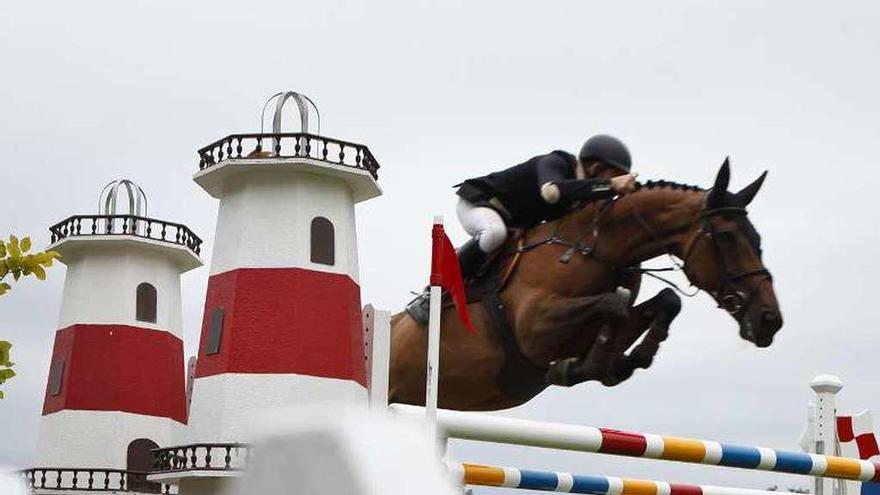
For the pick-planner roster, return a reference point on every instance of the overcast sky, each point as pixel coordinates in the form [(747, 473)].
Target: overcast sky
[(441, 91)]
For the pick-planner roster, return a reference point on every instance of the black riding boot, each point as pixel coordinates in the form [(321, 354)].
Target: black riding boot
[(470, 259)]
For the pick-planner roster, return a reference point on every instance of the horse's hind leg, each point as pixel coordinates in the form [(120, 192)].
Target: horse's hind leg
[(654, 316)]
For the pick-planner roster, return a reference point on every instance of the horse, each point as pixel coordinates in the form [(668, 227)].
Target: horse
[(558, 316)]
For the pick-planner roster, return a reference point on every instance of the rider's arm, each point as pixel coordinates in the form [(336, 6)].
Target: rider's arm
[(577, 190), (554, 179)]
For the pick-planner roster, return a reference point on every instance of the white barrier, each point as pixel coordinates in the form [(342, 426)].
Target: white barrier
[(499, 429)]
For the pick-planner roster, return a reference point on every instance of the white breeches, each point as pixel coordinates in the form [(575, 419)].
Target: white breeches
[(483, 223)]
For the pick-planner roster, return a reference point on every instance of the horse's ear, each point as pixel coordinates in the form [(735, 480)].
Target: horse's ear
[(720, 188), (744, 197)]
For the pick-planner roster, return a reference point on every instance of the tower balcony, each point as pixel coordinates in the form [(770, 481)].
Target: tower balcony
[(83, 231), (289, 145), (57, 480), (203, 461), (238, 153)]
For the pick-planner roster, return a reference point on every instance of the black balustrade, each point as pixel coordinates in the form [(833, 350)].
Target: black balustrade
[(93, 479), (147, 228), (289, 145), (202, 457)]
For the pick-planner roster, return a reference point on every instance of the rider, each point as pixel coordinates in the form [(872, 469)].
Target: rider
[(540, 189)]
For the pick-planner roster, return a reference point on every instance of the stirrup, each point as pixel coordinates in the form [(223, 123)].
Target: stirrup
[(419, 308)]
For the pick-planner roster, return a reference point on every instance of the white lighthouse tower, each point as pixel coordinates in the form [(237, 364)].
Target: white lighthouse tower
[(116, 384), (282, 322)]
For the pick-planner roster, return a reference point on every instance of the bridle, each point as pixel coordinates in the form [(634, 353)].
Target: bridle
[(729, 297)]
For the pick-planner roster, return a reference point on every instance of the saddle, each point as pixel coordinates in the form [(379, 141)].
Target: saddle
[(492, 276), (520, 378)]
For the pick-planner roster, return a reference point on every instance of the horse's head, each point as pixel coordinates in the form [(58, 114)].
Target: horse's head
[(723, 257)]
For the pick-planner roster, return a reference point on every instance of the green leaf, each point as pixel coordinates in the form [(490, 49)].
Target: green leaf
[(28, 262), (25, 244), (12, 247), (13, 262), (6, 374), (14, 266), (39, 272), (2, 249), (45, 259), (5, 346), (4, 288)]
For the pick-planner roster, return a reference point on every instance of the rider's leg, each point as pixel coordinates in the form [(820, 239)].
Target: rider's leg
[(488, 230)]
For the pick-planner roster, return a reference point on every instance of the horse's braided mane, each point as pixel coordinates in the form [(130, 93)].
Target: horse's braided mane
[(659, 184), (650, 185)]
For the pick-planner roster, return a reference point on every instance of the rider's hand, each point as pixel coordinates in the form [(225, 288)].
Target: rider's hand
[(624, 184)]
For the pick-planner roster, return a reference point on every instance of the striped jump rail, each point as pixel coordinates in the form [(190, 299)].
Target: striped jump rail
[(513, 431), (552, 481)]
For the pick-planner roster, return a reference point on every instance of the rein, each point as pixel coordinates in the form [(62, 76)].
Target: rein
[(729, 298)]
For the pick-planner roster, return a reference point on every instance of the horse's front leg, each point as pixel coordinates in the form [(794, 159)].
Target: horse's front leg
[(654, 316), (606, 360)]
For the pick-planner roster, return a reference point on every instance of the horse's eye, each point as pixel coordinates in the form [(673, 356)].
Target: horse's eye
[(726, 237)]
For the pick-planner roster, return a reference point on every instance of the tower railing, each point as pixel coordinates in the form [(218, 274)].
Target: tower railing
[(289, 145), (201, 457), (93, 480), (147, 228)]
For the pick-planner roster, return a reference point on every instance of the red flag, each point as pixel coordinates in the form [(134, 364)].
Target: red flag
[(446, 273)]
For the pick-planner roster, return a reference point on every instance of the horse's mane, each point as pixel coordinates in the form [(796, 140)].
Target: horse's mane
[(659, 184)]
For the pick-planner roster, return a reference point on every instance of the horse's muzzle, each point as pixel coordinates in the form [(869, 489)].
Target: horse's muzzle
[(760, 326)]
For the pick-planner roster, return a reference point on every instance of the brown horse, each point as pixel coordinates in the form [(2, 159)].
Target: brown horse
[(558, 318)]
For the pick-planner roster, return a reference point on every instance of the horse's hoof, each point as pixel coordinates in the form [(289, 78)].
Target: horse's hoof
[(642, 362), (559, 373), (622, 370)]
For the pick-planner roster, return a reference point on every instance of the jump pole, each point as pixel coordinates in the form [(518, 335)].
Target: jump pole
[(514, 431), (553, 481)]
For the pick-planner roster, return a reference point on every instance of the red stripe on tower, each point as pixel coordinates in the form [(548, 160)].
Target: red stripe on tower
[(284, 320), (118, 368)]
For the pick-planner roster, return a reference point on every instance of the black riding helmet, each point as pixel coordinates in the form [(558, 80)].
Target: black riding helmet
[(607, 149)]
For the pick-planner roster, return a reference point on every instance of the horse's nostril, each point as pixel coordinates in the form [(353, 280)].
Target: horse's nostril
[(770, 319)]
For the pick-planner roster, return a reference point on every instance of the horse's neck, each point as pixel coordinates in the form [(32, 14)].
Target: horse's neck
[(644, 225)]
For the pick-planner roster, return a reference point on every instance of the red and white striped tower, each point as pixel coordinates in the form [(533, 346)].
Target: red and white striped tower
[(282, 323), (116, 384)]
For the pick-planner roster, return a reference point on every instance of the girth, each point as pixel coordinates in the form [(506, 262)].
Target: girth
[(520, 378)]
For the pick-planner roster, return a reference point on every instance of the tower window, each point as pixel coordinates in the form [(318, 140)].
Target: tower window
[(146, 303), (323, 242), (215, 332), (56, 376)]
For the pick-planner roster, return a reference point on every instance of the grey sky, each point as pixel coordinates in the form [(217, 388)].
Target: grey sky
[(91, 91)]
